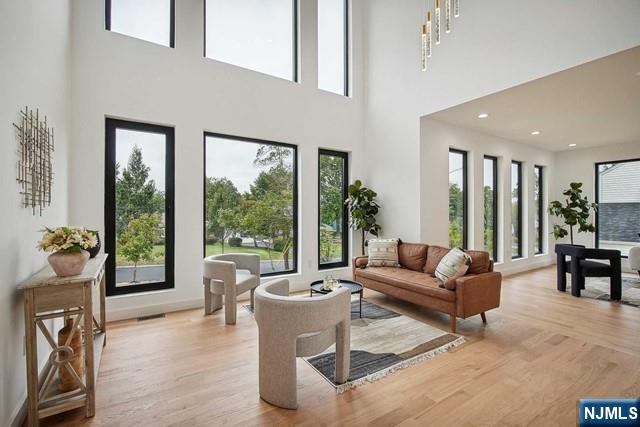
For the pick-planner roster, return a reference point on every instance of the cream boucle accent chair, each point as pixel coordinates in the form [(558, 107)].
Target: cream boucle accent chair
[(229, 275), (298, 327), (634, 258)]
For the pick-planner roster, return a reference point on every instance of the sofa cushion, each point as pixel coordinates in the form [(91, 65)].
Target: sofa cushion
[(412, 255), (454, 264), (407, 279), (383, 253), (434, 256), (480, 262)]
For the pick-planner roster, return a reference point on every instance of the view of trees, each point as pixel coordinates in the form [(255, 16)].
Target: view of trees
[(489, 220), (139, 215), (456, 215), (263, 214), (331, 207)]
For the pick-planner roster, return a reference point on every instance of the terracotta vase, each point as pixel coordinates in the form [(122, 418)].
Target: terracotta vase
[(68, 264), (75, 356)]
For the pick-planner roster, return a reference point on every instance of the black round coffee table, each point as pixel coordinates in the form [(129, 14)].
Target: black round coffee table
[(354, 287)]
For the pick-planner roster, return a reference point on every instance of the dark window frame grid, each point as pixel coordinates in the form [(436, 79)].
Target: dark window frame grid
[(520, 253), (345, 213), (494, 166), (295, 218), (111, 125), (465, 196), (172, 22), (540, 210), (295, 77)]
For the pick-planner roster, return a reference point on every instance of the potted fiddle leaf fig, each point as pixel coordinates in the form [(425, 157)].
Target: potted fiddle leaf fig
[(363, 209), (574, 211)]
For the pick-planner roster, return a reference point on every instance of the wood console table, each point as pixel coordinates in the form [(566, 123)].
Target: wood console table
[(47, 296)]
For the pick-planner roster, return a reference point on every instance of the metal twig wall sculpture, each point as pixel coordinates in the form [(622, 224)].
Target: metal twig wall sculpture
[(35, 172)]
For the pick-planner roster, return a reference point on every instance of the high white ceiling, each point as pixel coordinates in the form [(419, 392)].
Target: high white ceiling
[(593, 104)]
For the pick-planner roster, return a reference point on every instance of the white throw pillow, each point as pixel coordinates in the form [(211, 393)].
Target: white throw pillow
[(454, 264), (383, 253)]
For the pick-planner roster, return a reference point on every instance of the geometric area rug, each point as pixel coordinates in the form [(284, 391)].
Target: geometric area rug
[(598, 288), (383, 341)]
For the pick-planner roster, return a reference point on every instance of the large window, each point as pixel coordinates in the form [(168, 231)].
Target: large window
[(333, 46), (516, 209), (490, 194), (457, 198), (333, 229), (538, 195), (260, 35), (139, 201), (250, 205), (150, 20), (618, 198)]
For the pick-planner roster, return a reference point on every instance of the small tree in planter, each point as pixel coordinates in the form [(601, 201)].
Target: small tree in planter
[(574, 211), (363, 209)]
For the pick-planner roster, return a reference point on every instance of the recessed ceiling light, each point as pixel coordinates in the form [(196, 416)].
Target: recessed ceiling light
[(535, 132), (483, 115), (572, 145)]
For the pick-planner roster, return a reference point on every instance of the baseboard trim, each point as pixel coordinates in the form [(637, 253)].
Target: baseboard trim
[(516, 268)]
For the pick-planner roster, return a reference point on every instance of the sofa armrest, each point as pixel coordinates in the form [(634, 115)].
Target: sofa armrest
[(477, 293), (358, 262)]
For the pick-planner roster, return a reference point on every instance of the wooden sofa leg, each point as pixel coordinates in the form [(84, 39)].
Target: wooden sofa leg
[(484, 317), (453, 319)]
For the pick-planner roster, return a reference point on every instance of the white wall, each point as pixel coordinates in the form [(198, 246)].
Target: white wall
[(578, 165), (436, 139), (34, 71), (115, 75), (493, 46)]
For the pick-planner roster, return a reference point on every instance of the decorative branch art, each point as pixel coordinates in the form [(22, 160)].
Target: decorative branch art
[(35, 171)]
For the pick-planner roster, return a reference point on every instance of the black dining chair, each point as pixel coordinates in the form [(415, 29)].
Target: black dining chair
[(581, 265)]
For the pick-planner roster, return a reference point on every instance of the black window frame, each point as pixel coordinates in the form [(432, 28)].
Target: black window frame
[(345, 212), (597, 194), (295, 76), (206, 134), (494, 207), (172, 23), (111, 125), (520, 253), (540, 209), (465, 196)]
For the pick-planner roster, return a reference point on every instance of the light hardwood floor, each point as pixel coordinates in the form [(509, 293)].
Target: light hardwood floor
[(539, 353)]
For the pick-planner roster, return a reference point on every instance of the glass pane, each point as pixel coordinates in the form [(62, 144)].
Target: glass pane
[(140, 207), (249, 201), (619, 206), (516, 221), (537, 196), (332, 181), (331, 45), (457, 199), (490, 201), (148, 20), (254, 34)]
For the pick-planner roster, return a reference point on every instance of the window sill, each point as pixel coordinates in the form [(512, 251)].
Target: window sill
[(138, 294)]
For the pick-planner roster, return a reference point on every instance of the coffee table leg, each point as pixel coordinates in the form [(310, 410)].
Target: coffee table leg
[(361, 292)]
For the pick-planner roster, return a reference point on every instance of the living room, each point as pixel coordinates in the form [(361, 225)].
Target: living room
[(467, 120)]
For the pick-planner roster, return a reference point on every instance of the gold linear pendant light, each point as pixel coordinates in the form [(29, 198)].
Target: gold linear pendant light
[(427, 34)]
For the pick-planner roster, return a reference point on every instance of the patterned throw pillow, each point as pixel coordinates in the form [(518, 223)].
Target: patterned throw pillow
[(383, 253), (454, 264)]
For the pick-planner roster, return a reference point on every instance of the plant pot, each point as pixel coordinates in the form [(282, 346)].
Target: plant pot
[(65, 264), (93, 252)]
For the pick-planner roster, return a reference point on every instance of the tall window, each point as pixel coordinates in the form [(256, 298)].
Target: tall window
[(333, 33), (150, 20), (490, 193), (250, 206), (538, 195), (333, 229), (457, 198), (618, 198), (516, 209), (260, 35), (139, 207)]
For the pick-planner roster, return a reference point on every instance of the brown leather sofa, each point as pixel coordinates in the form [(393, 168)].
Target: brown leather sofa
[(474, 293)]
